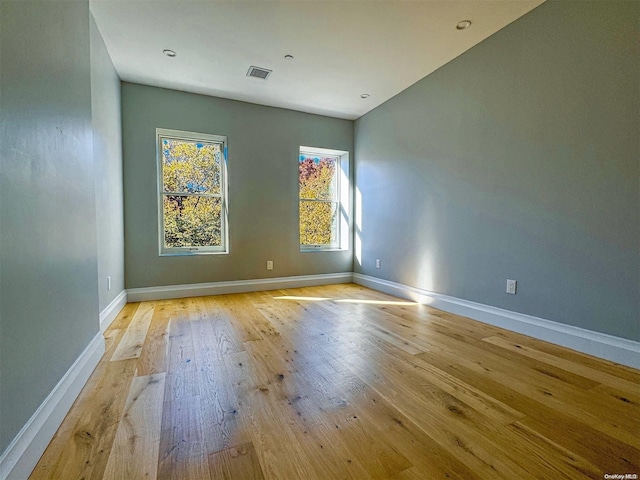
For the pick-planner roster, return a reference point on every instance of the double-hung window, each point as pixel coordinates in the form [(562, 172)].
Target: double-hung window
[(323, 199), (192, 185)]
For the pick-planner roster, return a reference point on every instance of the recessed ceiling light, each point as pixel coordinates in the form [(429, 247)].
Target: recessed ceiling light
[(463, 24), (288, 57), (169, 53), (365, 95)]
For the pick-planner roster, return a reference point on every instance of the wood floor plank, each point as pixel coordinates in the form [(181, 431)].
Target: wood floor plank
[(568, 365), (225, 336), (619, 395), (309, 304), (607, 453), (426, 374), (426, 319), (321, 431), (319, 442), (276, 444), (181, 360), (153, 357), (131, 344), (182, 445), (451, 424), (83, 443), (123, 319), (600, 364), (219, 409), (555, 460), (395, 339), (536, 367), (234, 463), (615, 419), (135, 449), (261, 417), (254, 326)]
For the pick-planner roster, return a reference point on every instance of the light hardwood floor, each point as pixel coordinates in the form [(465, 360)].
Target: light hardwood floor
[(340, 382)]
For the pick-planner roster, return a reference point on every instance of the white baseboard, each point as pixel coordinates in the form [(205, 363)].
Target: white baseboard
[(236, 286), (22, 455), (619, 350), (109, 314)]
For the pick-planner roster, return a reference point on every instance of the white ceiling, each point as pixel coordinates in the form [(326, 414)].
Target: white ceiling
[(341, 49)]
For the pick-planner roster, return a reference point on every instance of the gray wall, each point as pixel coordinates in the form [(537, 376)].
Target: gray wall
[(48, 254), (107, 154), (263, 147), (519, 159)]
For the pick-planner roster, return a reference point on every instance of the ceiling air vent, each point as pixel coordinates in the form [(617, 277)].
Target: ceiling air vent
[(258, 72)]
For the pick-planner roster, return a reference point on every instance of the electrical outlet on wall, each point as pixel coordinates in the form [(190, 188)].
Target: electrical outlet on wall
[(378, 264), (108, 283), (269, 264), (511, 286)]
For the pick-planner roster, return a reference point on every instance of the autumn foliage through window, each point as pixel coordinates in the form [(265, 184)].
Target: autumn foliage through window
[(319, 200), (192, 194)]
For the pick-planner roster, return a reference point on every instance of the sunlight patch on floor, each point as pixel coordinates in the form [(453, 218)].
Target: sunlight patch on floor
[(374, 302), (346, 300), (308, 299)]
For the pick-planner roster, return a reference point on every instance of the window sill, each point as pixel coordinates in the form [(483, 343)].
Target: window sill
[(321, 249), (190, 254)]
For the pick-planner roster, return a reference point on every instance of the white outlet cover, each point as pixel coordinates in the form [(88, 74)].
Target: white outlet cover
[(511, 286)]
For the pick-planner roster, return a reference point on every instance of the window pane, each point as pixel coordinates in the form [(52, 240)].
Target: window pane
[(192, 221), (318, 223), (318, 177), (191, 166)]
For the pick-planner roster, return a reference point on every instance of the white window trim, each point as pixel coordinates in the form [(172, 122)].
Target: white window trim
[(224, 230), (344, 207)]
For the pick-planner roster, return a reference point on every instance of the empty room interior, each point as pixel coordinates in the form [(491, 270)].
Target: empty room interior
[(319, 239)]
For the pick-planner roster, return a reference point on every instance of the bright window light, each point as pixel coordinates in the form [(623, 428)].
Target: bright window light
[(323, 199)]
